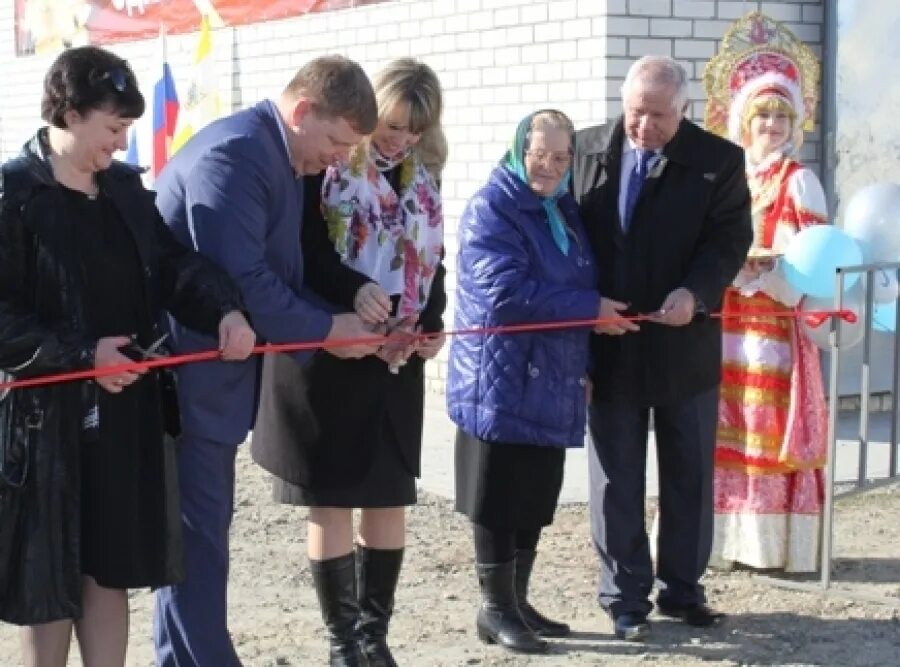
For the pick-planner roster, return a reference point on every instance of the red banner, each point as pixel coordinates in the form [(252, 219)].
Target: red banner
[(48, 26)]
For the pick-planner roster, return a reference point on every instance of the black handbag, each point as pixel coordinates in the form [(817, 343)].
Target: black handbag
[(40, 500), (14, 445), (40, 568)]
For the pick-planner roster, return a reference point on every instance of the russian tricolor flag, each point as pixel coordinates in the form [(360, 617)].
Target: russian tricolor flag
[(165, 109)]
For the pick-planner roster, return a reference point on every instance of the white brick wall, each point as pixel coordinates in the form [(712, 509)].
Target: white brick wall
[(497, 59), (691, 31)]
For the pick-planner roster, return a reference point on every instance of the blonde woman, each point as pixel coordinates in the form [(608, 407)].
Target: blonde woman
[(373, 240), (771, 441)]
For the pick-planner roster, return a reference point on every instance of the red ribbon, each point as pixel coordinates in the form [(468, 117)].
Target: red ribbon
[(213, 355)]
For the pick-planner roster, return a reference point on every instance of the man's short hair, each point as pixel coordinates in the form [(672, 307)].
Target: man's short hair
[(659, 71), (338, 88)]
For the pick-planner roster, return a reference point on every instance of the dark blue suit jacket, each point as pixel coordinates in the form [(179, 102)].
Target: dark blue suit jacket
[(232, 194)]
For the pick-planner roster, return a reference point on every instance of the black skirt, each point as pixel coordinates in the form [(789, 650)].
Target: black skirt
[(340, 432), (388, 482), (507, 486)]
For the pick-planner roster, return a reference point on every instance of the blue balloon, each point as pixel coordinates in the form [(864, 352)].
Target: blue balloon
[(884, 317), (813, 256), (872, 217)]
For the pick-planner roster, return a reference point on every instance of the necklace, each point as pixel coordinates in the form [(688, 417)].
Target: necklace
[(66, 176)]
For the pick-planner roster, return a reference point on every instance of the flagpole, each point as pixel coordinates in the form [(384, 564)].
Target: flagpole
[(164, 52), (165, 104)]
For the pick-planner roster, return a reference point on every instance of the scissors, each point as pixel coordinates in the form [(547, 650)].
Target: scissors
[(155, 351)]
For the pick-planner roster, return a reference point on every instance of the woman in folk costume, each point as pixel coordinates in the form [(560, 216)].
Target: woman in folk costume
[(771, 442)]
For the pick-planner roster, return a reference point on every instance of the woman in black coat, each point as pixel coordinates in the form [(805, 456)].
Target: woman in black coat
[(88, 495)]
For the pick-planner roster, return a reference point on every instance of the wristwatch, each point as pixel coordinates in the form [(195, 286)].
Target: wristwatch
[(700, 310)]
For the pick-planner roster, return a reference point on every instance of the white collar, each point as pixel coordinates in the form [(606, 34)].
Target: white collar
[(283, 130), (629, 146)]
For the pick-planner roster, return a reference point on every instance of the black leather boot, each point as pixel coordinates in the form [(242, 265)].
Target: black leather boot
[(377, 574), (335, 582), (540, 624), (499, 620)]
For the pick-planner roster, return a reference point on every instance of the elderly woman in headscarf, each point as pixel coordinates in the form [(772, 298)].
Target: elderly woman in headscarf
[(519, 400)]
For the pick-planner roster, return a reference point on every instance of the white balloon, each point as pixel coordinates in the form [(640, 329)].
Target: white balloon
[(884, 286), (851, 333), (872, 217)]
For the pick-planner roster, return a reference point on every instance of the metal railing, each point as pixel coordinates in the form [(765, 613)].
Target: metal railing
[(862, 481)]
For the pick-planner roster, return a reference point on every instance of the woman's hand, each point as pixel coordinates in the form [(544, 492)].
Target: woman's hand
[(108, 354), (428, 347), (400, 343), (236, 338), (756, 266), (612, 323), (372, 304)]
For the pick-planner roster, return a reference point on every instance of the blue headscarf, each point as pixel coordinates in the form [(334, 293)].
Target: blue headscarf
[(514, 160)]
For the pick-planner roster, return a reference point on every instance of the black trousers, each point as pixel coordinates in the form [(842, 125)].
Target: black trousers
[(685, 442)]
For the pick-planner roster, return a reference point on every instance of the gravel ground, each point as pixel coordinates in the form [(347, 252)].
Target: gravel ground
[(275, 620)]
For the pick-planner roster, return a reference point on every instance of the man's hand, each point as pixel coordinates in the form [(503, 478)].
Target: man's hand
[(107, 354), (677, 310), (349, 326), (613, 323), (372, 304), (236, 338)]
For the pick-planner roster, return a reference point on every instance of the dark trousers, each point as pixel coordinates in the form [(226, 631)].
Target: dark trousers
[(685, 440), (190, 621)]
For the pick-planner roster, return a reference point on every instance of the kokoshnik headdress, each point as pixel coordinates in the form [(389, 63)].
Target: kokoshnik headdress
[(760, 56)]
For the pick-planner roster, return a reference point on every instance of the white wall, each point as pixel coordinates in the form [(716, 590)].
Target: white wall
[(497, 59)]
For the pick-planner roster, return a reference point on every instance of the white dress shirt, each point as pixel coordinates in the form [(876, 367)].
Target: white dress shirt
[(283, 129)]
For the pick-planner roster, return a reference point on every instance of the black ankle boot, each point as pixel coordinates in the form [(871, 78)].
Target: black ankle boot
[(499, 620), (540, 624), (335, 582), (377, 574)]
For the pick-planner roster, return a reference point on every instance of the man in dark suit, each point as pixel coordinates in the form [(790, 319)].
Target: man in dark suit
[(235, 193), (668, 211)]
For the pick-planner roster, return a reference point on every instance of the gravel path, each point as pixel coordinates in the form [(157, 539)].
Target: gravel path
[(275, 620)]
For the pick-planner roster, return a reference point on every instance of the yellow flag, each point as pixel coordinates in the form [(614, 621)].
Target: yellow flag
[(202, 105)]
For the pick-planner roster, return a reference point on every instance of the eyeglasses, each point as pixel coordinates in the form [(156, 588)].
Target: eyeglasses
[(116, 76), (558, 160)]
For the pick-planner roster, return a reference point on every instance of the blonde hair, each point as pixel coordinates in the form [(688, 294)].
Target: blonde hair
[(432, 151), (766, 103), (413, 82)]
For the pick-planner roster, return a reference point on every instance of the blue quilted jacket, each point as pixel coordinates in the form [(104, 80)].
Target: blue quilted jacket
[(524, 388)]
